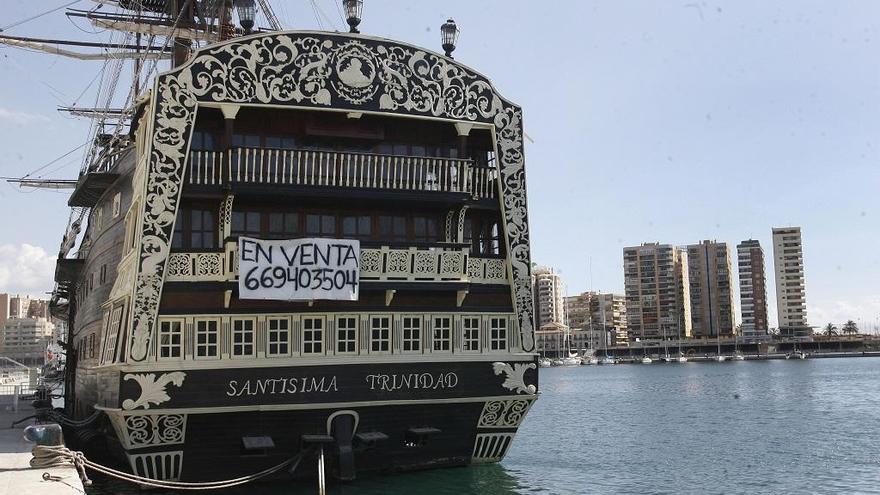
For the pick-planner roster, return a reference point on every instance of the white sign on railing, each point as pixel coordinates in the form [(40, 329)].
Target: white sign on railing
[(298, 269)]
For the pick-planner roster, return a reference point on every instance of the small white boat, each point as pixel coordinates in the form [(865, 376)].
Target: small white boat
[(720, 358), (796, 355), (544, 363), (556, 362), (608, 360), (647, 360), (739, 357), (571, 361), (591, 361), (681, 359)]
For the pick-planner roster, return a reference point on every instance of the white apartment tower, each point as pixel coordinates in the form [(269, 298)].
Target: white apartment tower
[(657, 291), (788, 262), (549, 292)]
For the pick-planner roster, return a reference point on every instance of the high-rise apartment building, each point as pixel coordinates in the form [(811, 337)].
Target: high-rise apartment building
[(788, 263), (752, 288), (577, 310), (4, 309), (609, 311), (603, 314), (25, 340), (657, 291), (549, 293), (711, 289)]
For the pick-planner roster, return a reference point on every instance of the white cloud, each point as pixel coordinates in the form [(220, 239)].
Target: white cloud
[(21, 118), (26, 269), (865, 310)]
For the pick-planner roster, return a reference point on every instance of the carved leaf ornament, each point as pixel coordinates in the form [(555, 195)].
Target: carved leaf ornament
[(319, 70), (152, 389), (515, 378)]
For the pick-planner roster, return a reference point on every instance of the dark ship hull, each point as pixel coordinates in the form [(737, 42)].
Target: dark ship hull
[(429, 362), (403, 417)]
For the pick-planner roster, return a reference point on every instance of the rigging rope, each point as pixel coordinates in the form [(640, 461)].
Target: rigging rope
[(53, 161), (50, 456), (37, 16)]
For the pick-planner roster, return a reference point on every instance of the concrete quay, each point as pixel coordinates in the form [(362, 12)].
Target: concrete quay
[(17, 477)]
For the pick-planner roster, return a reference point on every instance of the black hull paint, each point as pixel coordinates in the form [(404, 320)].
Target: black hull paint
[(434, 414), (216, 452)]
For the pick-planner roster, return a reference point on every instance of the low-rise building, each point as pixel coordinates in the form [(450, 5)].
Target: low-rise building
[(553, 339)]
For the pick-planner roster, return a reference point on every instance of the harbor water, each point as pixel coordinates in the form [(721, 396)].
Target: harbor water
[(793, 426)]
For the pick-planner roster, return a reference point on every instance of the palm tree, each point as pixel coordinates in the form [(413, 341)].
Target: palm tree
[(830, 330), (850, 328)]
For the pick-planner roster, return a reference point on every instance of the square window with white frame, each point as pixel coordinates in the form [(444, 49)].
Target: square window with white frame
[(442, 333), (346, 334), (411, 329), (278, 336), (313, 335), (207, 339), (170, 339), (243, 337), (497, 334), (470, 338), (380, 334)]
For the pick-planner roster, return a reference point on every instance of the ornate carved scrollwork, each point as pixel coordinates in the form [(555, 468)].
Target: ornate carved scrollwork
[(504, 413), (320, 70), (155, 429)]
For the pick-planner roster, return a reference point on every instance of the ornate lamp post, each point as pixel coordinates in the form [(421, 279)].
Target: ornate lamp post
[(247, 10), (353, 11), (449, 36)]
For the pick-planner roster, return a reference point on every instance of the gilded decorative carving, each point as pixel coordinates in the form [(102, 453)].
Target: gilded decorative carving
[(424, 263), (371, 261), (504, 413), (155, 429), (152, 388), (319, 70), (515, 376)]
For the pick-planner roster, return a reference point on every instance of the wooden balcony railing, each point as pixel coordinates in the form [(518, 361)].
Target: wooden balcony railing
[(340, 169), (377, 264)]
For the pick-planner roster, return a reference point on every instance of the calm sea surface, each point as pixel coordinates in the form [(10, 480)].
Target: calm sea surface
[(740, 427)]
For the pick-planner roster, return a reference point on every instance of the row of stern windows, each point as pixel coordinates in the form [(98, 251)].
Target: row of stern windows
[(319, 335)]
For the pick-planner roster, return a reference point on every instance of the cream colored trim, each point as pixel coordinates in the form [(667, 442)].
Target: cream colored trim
[(230, 111), (326, 405), (345, 359), (476, 125), (464, 128)]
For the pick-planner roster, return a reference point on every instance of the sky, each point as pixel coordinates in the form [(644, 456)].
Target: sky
[(650, 121)]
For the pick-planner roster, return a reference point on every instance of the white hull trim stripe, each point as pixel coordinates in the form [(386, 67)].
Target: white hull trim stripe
[(324, 405)]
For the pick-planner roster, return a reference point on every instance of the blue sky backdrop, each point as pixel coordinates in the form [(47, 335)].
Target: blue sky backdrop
[(651, 120)]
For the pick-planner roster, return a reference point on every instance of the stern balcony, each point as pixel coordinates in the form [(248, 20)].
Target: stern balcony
[(347, 170)]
